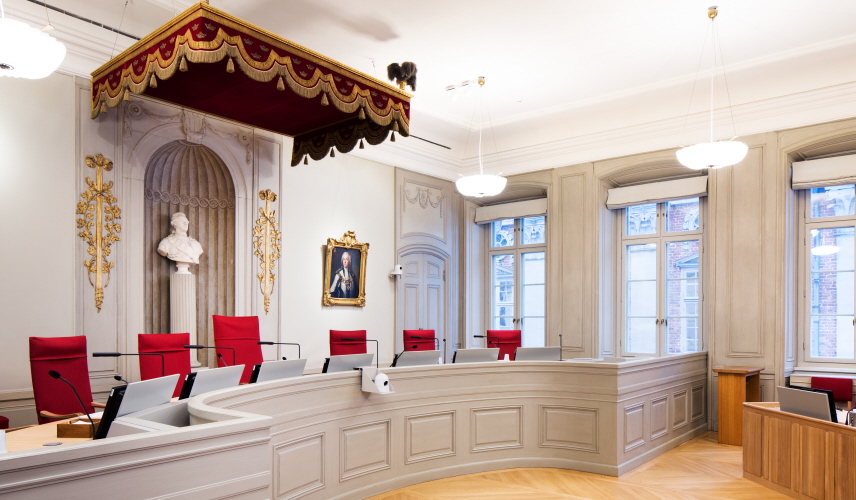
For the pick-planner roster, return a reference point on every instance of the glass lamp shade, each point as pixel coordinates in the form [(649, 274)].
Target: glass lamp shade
[(481, 185), (712, 154), (26, 52)]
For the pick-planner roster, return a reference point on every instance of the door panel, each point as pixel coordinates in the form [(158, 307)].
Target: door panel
[(423, 294)]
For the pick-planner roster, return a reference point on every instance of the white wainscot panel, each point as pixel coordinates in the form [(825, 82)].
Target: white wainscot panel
[(698, 402), (364, 449), (634, 426), (497, 428), (680, 409), (659, 417), (299, 467), (430, 436), (569, 428)]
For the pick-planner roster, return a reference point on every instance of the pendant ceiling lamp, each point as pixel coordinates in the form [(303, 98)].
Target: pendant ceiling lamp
[(482, 184), (713, 154), (26, 52)]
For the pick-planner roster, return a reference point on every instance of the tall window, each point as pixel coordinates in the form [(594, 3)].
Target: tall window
[(827, 285), (661, 247), (517, 258)]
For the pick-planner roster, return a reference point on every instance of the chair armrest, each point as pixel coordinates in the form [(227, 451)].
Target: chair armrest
[(98, 405), (54, 416)]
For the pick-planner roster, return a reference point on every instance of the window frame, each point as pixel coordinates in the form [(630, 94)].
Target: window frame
[(803, 317), (516, 250), (660, 238)]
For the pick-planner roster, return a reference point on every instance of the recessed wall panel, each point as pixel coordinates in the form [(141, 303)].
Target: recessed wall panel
[(659, 417), (298, 467), (364, 449), (569, 428), (429, 436), (634, 426), (697, 402), (680, 409), (497, 428)]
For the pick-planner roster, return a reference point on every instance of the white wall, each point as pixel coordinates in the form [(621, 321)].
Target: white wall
[(324, 200), (37, 203)]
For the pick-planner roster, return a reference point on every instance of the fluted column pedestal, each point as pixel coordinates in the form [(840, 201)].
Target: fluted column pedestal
[(182, 306)]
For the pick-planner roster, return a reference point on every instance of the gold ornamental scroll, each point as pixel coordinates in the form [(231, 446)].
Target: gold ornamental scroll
[(267, 240), (98, 225)]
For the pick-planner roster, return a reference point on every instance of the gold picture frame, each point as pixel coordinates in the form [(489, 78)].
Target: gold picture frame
[(338, 286)]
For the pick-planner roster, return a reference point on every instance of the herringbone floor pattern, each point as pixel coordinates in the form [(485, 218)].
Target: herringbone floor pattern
[(701, 469)]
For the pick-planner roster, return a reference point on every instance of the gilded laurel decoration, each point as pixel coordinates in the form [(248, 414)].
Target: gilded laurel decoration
[(98, 225), (267, 240)]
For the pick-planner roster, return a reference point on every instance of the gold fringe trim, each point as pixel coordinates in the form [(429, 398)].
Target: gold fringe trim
[(230, 66), (232, 47), (392, 137), (103, 107), (182, 66), (279, 84), (305, 160), (362, 114), (127, 96), (332, 152)]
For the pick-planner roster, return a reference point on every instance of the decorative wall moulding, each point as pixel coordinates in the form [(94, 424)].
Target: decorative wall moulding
[(267, 240), (98, 225), (342, 284), (422, 197)]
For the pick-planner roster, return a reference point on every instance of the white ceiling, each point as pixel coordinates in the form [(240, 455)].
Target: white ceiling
[(556, 70)]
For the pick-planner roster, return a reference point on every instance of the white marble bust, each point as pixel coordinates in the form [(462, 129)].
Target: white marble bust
[(178, 246)]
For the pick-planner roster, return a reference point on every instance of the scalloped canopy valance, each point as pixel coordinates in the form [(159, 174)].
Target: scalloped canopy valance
[(207, 60)]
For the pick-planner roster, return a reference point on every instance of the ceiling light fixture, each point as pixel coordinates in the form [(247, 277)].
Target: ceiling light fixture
[(713, 154), (27, 52), (481, 184)]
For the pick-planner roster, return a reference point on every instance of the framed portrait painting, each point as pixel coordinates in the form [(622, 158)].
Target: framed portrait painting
[(345, 271)]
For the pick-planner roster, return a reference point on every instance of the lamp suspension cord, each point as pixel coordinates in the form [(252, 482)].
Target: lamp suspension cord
[(481, 127), (712, 74), (2, 12)]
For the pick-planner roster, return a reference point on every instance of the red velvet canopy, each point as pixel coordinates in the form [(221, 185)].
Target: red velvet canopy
[(283, 87)]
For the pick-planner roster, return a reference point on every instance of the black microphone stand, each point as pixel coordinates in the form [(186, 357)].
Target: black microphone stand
[(57, 376), (282, 343), (197, 346), (487, 339), (377, 348), (117, 354)]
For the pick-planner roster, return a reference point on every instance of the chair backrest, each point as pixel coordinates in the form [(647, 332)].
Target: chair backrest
[(176, 359), (241, 333), (338, 347), (426, 343), (67, 355), (507, 340), (842, 388)]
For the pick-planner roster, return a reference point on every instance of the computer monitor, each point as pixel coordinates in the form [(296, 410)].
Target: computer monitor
[(537, 354), (211, 380), (476, 355), (273, 370), (347, 362), (417, 358), (134, 397), (114, 401), (808, 402)]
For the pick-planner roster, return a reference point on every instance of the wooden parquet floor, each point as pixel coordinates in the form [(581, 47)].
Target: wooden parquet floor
[(701, 469)]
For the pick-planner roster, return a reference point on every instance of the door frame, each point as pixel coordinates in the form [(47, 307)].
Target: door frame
[(399, 299)]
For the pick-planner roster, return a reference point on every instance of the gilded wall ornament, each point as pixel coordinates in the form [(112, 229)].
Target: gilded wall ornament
[(98, 225), (267, 240)]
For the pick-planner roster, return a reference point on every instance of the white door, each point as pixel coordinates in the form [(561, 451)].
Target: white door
[(422, 293)]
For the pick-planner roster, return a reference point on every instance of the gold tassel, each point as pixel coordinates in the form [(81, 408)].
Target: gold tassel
[(305, 161), (182, 66), (230, 66), (153, 83), (362, 114), (127, 96), (324, 100), (332, 152), (392, 139), (103, 107), (280, 85), (395, 126), (361, 144)]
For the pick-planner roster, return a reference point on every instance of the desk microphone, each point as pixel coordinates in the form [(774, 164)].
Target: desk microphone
[(197, 346), (377, 348), (487, 339), (560, 347), (120, 379), (435, 339), (117, 354), (56, 375), (263, 342), (220, 357)]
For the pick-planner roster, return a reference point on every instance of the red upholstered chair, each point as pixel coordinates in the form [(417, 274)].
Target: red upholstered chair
[(842, 388), (54, 398), (242, 334), (339, 347), (4, 422), (507, 341), (176, 359), (425, 343)]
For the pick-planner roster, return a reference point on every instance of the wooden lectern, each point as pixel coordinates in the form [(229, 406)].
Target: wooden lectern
[(737, 385)]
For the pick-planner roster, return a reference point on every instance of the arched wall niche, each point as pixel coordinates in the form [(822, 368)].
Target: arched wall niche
[(186, 177)]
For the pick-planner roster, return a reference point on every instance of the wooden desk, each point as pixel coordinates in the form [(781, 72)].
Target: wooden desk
[(802, 457), (737, 385), (36, 436)]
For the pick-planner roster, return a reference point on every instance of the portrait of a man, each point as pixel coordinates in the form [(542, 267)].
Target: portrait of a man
[(345, 271)]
